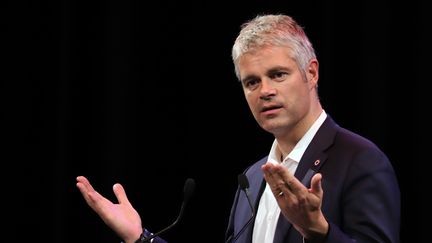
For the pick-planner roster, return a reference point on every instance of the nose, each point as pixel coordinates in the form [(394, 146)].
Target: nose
[(267, 91)]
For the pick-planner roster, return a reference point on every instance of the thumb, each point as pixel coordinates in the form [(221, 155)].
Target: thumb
[(316, 187), (120, 193)]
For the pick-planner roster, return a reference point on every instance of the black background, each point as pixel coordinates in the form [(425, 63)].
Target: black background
[(144, 93)]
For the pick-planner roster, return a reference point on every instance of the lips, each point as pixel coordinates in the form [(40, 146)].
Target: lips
[(270, 107)]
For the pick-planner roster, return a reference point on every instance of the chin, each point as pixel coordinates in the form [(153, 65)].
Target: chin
[(274, 125), (270, 127)]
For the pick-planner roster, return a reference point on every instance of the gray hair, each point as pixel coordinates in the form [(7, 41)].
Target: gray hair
[(273, 30)]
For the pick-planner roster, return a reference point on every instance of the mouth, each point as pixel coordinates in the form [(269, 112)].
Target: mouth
[(271, 108)]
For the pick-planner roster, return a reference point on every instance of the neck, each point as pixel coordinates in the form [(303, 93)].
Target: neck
[(283, 154), (287, 142)]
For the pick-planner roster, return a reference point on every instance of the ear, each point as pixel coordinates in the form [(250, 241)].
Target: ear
[(312, 73)]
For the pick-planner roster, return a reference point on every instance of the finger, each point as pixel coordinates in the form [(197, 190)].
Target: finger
[(288, 190), (91, 196), (120, 193), (276, 182), (85, 184), (272, 179), (277, 172), (87, 190), (316, 187), (281, 179), (271, 172)]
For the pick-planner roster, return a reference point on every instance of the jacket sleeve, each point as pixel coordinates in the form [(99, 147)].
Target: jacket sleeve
[(370, 202)]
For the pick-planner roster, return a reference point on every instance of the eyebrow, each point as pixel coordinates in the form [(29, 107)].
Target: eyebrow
[(278, 69), (269, 72)]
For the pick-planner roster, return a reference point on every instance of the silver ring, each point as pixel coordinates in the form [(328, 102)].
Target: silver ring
[(280, 194)]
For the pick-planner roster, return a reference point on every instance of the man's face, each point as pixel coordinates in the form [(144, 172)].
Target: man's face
[(277, 92)]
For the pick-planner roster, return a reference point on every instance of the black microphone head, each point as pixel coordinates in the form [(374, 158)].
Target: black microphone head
[(189, 188), (244, 186), (243, 181)]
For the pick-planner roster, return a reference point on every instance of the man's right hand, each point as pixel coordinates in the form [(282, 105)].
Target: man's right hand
[(121, 217)]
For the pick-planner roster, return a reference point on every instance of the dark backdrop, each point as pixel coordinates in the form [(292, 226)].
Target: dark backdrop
[(144, 94)]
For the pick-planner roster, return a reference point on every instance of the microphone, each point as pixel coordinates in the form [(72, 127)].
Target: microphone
[(244, 186), (189, 188)]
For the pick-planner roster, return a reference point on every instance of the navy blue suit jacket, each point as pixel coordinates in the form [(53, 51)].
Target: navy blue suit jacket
[(361, 198)]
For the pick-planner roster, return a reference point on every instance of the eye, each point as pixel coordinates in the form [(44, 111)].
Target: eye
[(251, 84), (279, 76)]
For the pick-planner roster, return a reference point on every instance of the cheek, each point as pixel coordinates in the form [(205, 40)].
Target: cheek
[(293, 92), (250, 99), (252, 103)]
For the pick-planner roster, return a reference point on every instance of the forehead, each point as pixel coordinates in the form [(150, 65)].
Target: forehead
[(263, 59)]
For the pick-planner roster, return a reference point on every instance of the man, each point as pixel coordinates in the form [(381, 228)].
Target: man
[(319, 183)]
